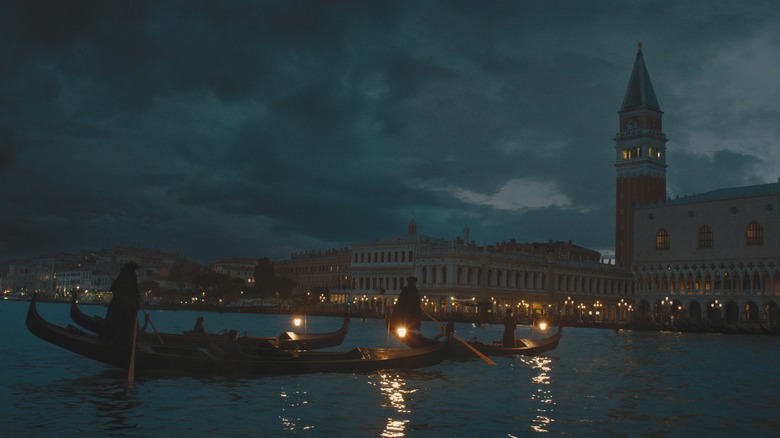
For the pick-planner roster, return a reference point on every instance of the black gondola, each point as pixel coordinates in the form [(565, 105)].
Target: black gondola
[(285, 341), (152, 356), (524, 347)]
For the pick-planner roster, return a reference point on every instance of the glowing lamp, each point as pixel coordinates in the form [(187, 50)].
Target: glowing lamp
[(542, 326), (401, 331)]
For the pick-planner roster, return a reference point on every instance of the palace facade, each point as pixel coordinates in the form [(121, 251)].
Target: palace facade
[(712, 257)]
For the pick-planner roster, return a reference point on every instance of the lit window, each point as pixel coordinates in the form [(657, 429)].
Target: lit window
[(662, 239), (755, 234), (705, 236)]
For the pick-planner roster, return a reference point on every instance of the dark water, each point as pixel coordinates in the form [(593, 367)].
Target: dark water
[(597, 383)]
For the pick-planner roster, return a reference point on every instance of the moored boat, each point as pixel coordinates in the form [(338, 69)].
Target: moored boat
[(190, 359)]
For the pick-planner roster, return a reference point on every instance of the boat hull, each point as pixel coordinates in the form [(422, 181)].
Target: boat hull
[(458, 349), (284, 341), (190, 359)]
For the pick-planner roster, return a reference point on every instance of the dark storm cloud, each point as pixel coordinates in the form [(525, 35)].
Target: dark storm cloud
[(724, 168), (266, 128)]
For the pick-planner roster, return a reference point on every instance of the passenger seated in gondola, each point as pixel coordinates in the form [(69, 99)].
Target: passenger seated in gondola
[(200, 326), (445, 331), (231, 346)]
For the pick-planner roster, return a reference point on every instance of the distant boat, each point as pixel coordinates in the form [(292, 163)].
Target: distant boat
[(524, 347), (188, 359)]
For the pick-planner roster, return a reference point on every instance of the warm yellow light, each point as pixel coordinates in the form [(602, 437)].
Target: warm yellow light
[(542, 326), (401, 331), (297, 321)]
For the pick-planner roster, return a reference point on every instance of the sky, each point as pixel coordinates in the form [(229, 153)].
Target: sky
[(267, 128)]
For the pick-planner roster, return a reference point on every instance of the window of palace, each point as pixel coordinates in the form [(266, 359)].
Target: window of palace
[(755, 234), (662, 239), (705, 236)]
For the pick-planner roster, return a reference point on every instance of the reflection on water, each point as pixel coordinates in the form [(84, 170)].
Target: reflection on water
[(542, 393), (596, 383), (294, 400), (393, 387)]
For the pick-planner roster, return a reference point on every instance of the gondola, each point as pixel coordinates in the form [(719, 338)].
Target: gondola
[(285, 341), (524, 347), (153, 357)]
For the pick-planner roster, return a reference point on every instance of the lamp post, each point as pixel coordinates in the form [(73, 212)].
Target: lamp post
[(621, 309), (597, 307), (664, 303), (716, 306)]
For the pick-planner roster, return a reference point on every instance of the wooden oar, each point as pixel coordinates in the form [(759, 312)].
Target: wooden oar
[(471, 347), (152, 323), (131, 367)]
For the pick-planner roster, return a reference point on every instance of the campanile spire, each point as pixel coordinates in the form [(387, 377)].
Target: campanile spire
[(640, 147)]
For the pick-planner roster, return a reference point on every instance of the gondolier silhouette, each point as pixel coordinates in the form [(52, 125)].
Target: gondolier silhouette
[(407, 313), (124, 306), (510, 325)]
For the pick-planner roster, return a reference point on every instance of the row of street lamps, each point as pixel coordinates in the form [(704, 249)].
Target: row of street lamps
[(624, 309)]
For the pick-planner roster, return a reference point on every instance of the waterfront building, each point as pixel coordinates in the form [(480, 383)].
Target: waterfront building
[(93, 284), (26, 277), (145, 258), (92, 272), (242, 268), (710, 257), (457, 275), (317, 272)]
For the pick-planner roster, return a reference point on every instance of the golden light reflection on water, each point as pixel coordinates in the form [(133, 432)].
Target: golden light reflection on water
[(395, 389), (542, 395), (297, 399)]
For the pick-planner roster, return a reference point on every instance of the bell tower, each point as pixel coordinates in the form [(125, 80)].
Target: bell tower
[(640, 147)]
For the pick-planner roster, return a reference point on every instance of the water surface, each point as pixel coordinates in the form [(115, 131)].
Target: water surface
[(596, 383)]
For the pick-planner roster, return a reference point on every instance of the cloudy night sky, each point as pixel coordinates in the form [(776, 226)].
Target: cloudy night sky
[(266, 128)]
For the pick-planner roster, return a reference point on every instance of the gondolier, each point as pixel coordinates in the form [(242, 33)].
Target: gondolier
[(407, 313), (509, 330), (120, 320)]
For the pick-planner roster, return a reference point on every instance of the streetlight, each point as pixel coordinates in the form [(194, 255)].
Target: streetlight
[(597, 306), (716, 306), (664, 302)]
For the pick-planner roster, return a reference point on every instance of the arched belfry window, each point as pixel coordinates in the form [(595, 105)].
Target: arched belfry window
[(705, 236), (662, 239), (754, 234)]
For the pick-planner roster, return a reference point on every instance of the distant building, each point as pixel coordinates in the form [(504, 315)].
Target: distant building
[(237, 267), (92, 272), (26, 277), (712, 256), (146, 258), (557, 278), (317, 271)]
